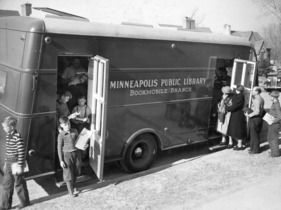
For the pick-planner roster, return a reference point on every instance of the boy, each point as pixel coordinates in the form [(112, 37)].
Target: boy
[(62, 107), (69, 155), (15, 153), (83, 112)]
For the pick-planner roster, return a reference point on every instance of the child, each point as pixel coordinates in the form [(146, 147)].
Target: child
[(69, 155), (14, 154), (83, 112)]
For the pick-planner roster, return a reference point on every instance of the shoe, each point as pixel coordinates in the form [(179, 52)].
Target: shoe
[(252, 153), (72, 195), (75, 191), (238, 148), (229, 146)]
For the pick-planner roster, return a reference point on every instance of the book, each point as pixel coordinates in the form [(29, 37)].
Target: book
[(247, 110), (15, 166), (268, 118), (83, 139)]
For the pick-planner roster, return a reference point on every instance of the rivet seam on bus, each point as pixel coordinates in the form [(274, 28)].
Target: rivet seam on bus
[(22, 37)]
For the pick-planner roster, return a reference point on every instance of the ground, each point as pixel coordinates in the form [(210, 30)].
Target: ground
[(190, 184)]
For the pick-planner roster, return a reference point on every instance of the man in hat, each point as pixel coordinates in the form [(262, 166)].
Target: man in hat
[(272, 135), (255, 120)]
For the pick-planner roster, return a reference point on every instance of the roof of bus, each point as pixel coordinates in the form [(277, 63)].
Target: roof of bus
[(75, 27)]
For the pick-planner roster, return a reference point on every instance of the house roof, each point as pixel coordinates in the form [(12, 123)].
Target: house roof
[(244, 34), (257, 36)]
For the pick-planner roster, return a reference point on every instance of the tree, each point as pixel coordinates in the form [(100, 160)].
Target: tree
[(272, 32), (270, 7), (195, 16), (264, 67)]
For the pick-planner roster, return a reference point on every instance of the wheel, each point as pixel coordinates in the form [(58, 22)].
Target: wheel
[(140, 154)]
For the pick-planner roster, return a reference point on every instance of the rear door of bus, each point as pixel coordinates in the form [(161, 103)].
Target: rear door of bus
[(244, 72)]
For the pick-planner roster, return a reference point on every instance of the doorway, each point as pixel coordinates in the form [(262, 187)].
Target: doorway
[(72, 78)]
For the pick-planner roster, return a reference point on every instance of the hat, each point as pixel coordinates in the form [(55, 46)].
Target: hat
[(274, 94), (226, 90)]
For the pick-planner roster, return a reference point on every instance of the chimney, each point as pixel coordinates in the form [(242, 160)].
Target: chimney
[(26, 9), (227, 29), (189, 23)]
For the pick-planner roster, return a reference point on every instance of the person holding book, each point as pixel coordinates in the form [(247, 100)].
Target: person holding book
[(13, 176), (255, 114), (273, 129), (75, 78), (69, 155), (224, 116), (83, 111)]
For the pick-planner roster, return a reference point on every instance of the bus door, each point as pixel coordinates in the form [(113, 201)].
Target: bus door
[(244, 73), (97, 101)]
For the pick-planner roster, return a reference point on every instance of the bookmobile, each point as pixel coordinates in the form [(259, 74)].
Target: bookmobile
[(149, 89)]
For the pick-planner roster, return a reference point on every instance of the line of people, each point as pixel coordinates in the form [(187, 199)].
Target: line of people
[(232, 122)]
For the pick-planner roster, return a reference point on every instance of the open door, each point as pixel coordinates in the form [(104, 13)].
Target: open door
[(244, 73), (97, 100)]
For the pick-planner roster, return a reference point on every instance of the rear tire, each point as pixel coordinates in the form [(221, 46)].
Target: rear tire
[(140, 154)]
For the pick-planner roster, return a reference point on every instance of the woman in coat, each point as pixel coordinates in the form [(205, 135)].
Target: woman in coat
[(273, 129), (237, 125), (223, 115)]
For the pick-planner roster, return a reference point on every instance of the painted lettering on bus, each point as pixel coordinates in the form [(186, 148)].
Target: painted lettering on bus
[(151, 83), (133, 84), (148, 92)]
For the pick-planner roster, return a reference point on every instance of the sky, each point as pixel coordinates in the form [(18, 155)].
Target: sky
[(242, 15)]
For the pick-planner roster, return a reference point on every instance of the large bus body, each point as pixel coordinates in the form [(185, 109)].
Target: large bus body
[(160, 87)]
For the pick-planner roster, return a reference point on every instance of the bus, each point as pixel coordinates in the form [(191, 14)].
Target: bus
[(149, 89)]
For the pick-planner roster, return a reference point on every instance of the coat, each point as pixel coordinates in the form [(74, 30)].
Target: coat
[(237, 127)]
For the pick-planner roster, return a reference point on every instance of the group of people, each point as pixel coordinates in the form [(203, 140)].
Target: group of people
[(232, 120), (73, 115)]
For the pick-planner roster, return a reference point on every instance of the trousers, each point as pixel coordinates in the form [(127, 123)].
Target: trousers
[(255, 126), (272, 138), (10, 182)]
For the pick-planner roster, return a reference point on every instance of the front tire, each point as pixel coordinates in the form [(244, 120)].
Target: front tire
[(140, 154)]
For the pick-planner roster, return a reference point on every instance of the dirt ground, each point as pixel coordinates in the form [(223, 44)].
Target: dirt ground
[(188, 185)]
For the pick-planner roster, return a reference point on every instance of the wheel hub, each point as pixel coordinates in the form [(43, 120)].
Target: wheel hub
[(138, 152)]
